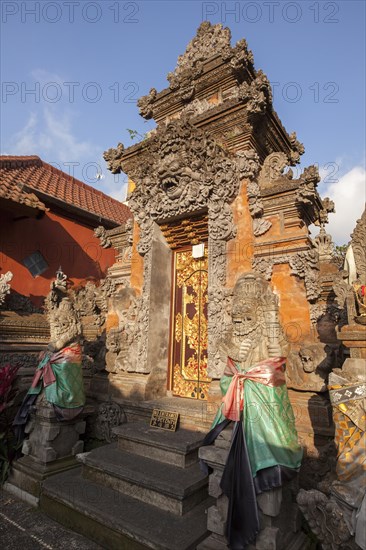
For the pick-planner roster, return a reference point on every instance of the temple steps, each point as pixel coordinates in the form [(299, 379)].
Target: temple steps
[(145, 479), (153, 498), (180, 450)]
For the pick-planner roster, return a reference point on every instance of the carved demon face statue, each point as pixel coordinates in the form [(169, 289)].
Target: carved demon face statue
[(170, 173), (245, 318), (178, 175)]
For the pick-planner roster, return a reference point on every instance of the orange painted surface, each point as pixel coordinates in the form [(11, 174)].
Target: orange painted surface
[(61, 241), (112, 321), (294, 307), (137, 262), (240, 250)]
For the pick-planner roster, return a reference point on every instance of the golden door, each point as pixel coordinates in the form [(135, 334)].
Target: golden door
[(188, 359)]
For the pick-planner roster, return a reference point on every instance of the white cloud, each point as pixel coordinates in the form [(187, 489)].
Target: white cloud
[(349, 195), (51, 137)]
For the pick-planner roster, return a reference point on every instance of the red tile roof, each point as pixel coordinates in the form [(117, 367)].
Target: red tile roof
[(13, 191), (34, 173)]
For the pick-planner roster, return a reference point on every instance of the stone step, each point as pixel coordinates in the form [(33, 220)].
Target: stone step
[(117, 521), (178, 448), (162, 485)]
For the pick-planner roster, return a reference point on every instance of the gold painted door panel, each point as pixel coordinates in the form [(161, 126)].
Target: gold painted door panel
[(188, 364)]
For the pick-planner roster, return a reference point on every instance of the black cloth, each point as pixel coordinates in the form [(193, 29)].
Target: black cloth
[(238, 484), (22, 416), (242, 524)]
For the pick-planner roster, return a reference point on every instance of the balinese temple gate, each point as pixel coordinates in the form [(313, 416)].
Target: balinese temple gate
[(213, 197), (218, 262)]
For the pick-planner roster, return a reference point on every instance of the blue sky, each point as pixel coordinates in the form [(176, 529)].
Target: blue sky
[(72, 71)]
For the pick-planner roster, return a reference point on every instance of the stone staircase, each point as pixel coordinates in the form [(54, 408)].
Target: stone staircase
[(144, 491)]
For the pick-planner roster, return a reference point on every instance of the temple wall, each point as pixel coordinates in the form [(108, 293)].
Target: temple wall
[(61, 241)]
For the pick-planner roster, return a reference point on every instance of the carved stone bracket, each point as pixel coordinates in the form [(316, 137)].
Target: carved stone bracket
[(257, 95), (101, 233), (272, 169)]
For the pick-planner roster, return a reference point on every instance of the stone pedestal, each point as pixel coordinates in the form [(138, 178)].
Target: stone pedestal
[(354, 338), (50, 448), (280, 520)]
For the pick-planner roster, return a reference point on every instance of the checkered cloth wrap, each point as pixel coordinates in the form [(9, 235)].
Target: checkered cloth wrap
[(349, 406)]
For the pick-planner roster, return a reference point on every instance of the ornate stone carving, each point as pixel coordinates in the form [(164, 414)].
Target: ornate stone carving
[(326, 520), (5, 279), (197, 107), (272, 169), (210, 41), (358, 239), (309, 180), (328, 208), (113, 342), (256, 96), (306, 266), (254, 332), (248, 162), (101, 233), (94, 355), (183, 171), (109, 416), (145, 104), (338, 518), (297, 150), (65, 325), (114, 157), (218, 303), (24, 360), (261, 226), (89, 301), (349, 285), (254, 199), (128, 350), (308, 368), (303, 264), (324, 245)]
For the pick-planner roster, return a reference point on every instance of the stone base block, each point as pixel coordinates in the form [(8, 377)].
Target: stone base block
[(28, 473)]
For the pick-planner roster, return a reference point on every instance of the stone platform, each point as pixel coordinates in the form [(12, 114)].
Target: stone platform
[(145, 491)]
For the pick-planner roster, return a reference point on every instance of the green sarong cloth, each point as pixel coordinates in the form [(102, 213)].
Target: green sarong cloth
[(268, 424), (61, 376)]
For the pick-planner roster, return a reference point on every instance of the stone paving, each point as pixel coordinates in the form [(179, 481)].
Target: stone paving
[(23, 527)]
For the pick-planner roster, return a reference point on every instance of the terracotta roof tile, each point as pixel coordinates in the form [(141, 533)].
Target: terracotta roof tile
[(13, 191), (36, 174)]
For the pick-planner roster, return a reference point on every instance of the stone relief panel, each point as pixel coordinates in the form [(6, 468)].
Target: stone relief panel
[(308, 369), (183, 171), (109, 416)]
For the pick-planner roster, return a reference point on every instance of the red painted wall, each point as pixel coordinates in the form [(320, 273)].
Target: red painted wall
[(61, 241)]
